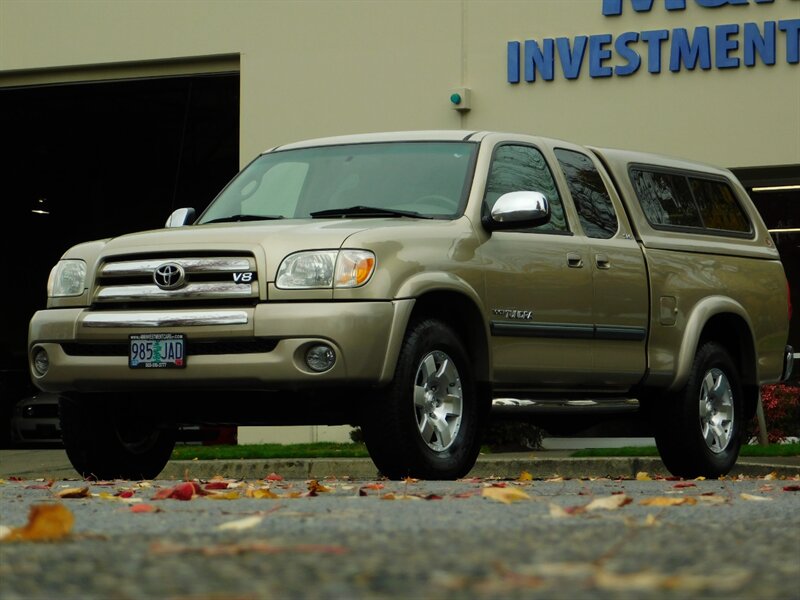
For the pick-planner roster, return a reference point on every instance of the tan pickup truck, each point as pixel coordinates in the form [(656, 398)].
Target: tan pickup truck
[(403, 281)]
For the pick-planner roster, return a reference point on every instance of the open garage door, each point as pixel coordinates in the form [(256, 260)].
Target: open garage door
[(83, 161)]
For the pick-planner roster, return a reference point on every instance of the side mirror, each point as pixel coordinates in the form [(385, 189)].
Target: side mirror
[(518, 210), (180, 217)]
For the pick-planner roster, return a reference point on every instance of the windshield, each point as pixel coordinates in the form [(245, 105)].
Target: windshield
[(425, 179)]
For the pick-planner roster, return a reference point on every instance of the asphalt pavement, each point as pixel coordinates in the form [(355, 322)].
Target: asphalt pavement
[(53, 464)]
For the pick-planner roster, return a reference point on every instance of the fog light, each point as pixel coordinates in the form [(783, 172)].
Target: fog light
[(320, 358), (41, 362)]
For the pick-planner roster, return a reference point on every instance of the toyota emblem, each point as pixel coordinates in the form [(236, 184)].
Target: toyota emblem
[(169, 276)]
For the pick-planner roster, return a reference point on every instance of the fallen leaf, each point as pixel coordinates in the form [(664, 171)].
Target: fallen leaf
[(241, 524), (505, 495), (125, 494), (316, 487), (217, 485), (701, 478), (373, 486), (753, 498), (525, 476), (144, 508), (261, 493), (791, 488), (711, 499), (410, 480), (642, 476), (668, 501), (684, 484), (609, 502), (232, 495), (46, 522), (771, 476), (40, 486), (558, 512), (74, 493), (273, 477), (432, 497), (182, 491)]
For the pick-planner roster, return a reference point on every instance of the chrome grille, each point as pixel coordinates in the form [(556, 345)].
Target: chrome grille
[(206, 278)]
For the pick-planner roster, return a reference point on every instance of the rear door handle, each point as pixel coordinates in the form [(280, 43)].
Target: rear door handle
[(574, 260), (602, 262)]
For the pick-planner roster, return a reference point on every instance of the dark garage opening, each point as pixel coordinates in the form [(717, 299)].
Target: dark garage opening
[(95, 160)]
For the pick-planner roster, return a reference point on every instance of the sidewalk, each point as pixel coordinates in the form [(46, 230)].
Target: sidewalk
[(53, 464)]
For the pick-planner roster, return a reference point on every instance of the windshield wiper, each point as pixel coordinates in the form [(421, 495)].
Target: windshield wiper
[(234, 218), (367, 211)]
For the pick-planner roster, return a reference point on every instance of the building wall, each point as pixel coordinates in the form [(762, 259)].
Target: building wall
[(326, 67)]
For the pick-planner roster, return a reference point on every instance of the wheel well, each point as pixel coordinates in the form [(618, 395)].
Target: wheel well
[(463, 316), (732, 332)]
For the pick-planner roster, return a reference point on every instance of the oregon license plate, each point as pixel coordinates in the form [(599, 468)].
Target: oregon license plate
[(157, 351)]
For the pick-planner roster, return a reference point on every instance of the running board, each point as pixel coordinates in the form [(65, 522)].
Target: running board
[(514, 406)]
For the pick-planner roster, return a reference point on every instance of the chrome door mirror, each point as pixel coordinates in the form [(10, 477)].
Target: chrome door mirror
[(517, 210), (180, 217)]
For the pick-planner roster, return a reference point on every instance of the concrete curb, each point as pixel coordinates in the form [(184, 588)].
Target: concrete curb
[(505, 468)]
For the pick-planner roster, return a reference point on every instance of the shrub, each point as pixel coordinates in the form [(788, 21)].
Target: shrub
[(781, 412)]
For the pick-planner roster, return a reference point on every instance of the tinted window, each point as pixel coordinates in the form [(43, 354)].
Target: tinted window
[(666, 198), (523, 168), (590, 195), (718, 206)]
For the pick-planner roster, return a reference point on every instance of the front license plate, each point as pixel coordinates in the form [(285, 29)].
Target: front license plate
[(157, 351)]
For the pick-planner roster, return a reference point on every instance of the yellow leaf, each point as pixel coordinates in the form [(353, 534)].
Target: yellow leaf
[(609, 502), (771, 476), (261, 493), (642, 476), (224, 496), (753, 498), (701, 478), (525, 476), (74, 493), (505, 495), (46, 522), (668, 501)]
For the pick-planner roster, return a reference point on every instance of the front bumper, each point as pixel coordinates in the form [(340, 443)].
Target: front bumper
[(260, 347)]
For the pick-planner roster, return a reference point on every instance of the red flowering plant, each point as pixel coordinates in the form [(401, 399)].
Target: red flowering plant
[(781, 411)]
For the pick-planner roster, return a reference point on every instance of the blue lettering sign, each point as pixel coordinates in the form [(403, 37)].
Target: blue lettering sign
[(612, 8), (688, 53), (654, 40), (724, 45), (755, 43), (571, 60), (632, 58), (538, 59), (512, 63), (598, 54), (792, 29)]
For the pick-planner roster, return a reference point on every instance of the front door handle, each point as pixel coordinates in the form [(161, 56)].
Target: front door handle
[(602, 262), (574, 260)]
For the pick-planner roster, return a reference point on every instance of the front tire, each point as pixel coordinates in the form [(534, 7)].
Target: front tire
[(426, 424), (103, 443), (699, 429)]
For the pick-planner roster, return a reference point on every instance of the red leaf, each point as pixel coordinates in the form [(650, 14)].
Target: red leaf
[(125, 494), (217, 485), (791, 488), (144, 508), (685, 484), (182, 491), (432, 497), (372, 486), (273, 477)]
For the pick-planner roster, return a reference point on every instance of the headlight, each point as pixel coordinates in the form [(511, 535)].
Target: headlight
[(67, 278), (325, 269)]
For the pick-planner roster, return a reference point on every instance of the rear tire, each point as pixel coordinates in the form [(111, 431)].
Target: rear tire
[(699, 429), (102, 443), (426, 423)]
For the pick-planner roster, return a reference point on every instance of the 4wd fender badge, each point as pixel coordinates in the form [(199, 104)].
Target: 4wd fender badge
[(513, 313), (245, 277)]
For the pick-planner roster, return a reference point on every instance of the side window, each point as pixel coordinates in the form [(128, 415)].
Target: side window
[(718, 206), (595, 210), (666, 198), (523, 168)]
